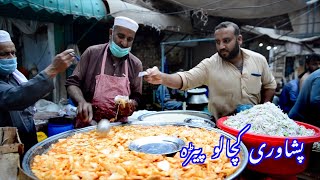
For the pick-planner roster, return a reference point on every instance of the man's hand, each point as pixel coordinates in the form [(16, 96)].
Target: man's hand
[(85, 112), (154, 76), (60, 63), (127, 108)]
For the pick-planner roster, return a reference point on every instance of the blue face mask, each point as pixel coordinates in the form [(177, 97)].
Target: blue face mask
[(7, 66), (117, 51)]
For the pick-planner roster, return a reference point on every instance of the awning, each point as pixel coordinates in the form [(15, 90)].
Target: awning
[(293, 46), (53, 10), (281, 39), (310, 39), (271, 33), (244, 9), (149, 18)]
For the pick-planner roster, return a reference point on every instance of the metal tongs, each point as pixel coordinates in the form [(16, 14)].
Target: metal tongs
[(104, 125)]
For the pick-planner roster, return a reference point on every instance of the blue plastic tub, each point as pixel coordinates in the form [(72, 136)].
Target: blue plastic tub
[(54, 128)]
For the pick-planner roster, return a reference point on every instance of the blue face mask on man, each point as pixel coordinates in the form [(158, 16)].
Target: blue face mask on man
[(117, 51), (7, 66)]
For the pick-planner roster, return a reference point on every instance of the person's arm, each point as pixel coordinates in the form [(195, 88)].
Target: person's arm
[(60, 63), (84, 108), (293, 93), (192, 78), (269, 84), (267, 95), (26, 94), (172, 80), (73, 84), (156, 77), (75, 94)]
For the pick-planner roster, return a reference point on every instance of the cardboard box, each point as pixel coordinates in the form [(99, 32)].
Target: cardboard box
[(11, 149), (10, 141)]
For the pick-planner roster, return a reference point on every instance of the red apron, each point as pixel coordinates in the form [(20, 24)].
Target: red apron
[(106, 89)]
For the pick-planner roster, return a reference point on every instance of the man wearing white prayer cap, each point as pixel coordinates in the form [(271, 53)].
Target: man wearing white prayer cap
[(104, 72), (18, 95), (4, 36)]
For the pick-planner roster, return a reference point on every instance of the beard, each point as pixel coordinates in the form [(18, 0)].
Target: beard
[(232, 54)]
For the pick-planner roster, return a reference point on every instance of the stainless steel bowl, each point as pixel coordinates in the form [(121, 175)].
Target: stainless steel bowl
[(164, 145), (44, 146)]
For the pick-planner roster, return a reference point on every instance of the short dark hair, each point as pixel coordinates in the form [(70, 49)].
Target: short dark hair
[(226, 24), (313, 57)]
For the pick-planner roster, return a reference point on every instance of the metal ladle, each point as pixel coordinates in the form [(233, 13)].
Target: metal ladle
[(104, 125)]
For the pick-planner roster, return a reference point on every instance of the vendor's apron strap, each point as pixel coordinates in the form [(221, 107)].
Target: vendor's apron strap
[(104, 59)]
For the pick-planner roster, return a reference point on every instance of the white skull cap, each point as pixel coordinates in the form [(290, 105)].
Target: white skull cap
[(126, 22), (4, 36)]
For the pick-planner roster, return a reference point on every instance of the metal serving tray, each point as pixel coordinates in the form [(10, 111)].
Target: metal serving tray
[(195, 117), (43, 146)]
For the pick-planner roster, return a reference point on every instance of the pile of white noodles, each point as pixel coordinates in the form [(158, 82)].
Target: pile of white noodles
[(267, 119)]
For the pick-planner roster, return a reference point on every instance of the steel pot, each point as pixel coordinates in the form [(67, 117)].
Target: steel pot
[(197, 96)]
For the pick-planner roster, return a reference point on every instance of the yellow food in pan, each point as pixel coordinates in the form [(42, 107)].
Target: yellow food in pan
[(90, 156)]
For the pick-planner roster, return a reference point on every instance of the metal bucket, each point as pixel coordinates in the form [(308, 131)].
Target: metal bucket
[(44, 146)]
